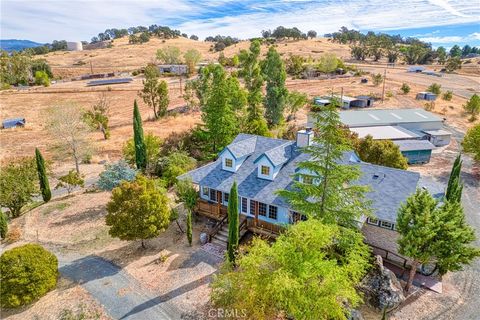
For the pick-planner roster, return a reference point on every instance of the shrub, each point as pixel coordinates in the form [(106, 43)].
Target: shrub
[(435, 88), (173, 165), (41, 79), (28, 272), (429, 106), (472, 107), (389, 94), (377, 79), (3, 225), (405, 88), (14, 234), (70, 181), (114, 174), (152, 146), (447, 96)]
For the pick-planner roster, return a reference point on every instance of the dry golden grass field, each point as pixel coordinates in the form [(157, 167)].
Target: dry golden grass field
[(34, 103)]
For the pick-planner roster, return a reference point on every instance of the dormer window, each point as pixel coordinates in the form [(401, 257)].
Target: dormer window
[(265, 170), (228, 163)]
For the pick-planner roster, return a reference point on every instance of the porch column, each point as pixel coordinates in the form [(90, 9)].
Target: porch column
[(256, 213), (219, 202)]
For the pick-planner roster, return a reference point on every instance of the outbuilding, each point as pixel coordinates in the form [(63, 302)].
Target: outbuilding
[(438, 137), (416, 151), (426, 96), (385, 133), (362, 102), (13, 123), (416, 69)]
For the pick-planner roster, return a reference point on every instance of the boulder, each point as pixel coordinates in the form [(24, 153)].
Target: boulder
[(381, 287)]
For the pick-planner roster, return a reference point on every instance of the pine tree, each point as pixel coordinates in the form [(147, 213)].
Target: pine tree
[(42, 176), (140, 150), (333, 182), (416, 225), (252, 75), (189, 226), (455, 187), (275, 75), (233, 223)]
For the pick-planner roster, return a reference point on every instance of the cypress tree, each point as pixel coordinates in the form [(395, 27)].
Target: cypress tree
[(3, 225), (189, 226), (455, 187), (233, 223), (140, 150), (42, 176)]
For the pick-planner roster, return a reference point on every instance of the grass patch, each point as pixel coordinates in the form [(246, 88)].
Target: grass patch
[(54, 207)]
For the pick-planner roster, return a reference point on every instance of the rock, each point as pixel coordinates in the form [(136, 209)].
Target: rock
[(203, 238), (381, 287)]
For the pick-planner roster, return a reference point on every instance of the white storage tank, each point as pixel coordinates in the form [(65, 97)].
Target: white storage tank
[(74, 46)]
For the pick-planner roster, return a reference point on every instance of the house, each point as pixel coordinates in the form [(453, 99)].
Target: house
[(262, 165), (13, 123), (426, 96), (177, 69), (416, 151)]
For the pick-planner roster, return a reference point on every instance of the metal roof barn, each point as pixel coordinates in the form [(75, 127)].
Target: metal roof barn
[(13, 123), (108, 81), (385, 133), (411, 119)]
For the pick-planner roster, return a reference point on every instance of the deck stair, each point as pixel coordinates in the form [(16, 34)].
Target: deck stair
[(220, 237)]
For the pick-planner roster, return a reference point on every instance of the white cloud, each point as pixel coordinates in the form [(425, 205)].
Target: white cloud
[(82, 19), (475, 35), (450, 39)]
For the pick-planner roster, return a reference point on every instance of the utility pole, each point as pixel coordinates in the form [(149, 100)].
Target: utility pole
[(383, 90)]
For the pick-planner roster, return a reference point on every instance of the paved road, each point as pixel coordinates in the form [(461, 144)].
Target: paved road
[(122, 297)]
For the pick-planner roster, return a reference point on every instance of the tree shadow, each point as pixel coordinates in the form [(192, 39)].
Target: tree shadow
[(193, 260), (90, 214), (167, 296), (130, 252), (89, 268)]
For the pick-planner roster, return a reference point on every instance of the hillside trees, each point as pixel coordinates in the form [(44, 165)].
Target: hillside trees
[(233, 224), (97, 116), (155, 93), (471, 141), (18, 184), (275, 99), (137, 210), (312, 34), (310, 271), (138, 139), (67, 127), (251, 73), (42, 176), (472, 107), (28, 272), (324, 198)]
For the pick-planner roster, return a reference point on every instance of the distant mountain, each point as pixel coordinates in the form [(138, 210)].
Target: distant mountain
[(15, 44)]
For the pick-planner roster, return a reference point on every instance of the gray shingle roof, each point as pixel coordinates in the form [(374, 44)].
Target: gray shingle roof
[(243, 145), (390, 187), (279, 155), (414, 145)]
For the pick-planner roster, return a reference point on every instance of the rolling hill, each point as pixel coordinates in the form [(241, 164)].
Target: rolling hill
[(16, 45)]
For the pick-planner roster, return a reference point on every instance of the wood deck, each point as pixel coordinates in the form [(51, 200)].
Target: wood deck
[(212, 210)]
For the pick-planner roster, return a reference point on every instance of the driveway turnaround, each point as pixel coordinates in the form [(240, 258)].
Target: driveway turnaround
[(120, 294)]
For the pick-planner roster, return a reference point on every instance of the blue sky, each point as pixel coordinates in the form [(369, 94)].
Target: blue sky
[(440, 22)]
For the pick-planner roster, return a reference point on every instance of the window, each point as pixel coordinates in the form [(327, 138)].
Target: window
[(272, 212), (244, 205), (385, 224), (262, 209), (296, 217), (372, 221), (225, 197), (213, 194), (252, 207), (265, 170), (205, 191), (308, 179), (228, 163)]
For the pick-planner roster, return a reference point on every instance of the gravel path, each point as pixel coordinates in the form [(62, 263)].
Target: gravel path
[(121, 296)]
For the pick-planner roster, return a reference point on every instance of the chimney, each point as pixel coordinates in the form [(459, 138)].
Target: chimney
[(304, 137)]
